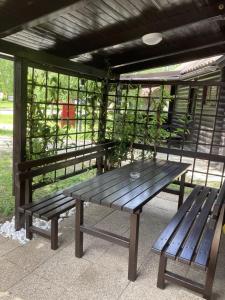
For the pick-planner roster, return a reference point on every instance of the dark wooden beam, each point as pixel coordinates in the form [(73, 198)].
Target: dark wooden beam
[(164, 59), (44, 58), (19, 133), (21, 14), (149, 21), (167, 47)]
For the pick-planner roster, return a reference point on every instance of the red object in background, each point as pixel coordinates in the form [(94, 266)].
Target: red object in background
[(68, 113)]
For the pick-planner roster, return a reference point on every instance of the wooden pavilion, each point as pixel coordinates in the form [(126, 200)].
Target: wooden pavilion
[(71, 104), (97, 41)]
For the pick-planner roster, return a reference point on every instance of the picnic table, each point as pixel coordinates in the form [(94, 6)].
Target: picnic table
[(116, 189)]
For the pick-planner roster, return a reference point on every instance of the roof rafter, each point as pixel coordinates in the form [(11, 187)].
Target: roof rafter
[(33, 12), (164, 49), (149, 21), (50, 60), (174, 58)]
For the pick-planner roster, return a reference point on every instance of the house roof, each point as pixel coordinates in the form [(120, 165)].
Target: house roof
[(108, 33), (183, 71), (198, 64)]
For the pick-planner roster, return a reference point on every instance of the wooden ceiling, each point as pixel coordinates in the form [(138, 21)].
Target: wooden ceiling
[(107, 33)]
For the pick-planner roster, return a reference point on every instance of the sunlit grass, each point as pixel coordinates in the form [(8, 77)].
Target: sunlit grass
[(6, 119), (6, 198), (6, 132), (6, 104)]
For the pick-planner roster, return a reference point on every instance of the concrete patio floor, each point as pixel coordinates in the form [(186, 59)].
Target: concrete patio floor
[(33, 271)]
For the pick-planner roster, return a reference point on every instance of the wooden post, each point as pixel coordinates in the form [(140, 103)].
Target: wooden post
[(102, 121), (79, 219), (133, 249), (161, 272), (19, 133)]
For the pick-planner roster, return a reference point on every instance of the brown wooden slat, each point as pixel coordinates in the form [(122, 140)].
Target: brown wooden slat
[(101, 178), (185, 282), (166, 234), (43, 204), (108, 236), (120, 198), (132, 28), (41, 232), (185, 226), (59, 210), (43, 58), (43, 170), (121, 183), (202, 256), (220, 200), (138, 202), (196, 231), (51, 159), (17, 16), (179, 152), (39, 213)]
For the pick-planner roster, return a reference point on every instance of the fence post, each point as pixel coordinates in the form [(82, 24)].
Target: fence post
[(102, 120), (19, 133)]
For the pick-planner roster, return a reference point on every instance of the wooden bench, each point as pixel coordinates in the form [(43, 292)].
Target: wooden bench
[(52, 206), (48, 208), (193, 237)]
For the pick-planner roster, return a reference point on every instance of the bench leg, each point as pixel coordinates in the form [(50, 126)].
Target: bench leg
[(161, 272), (54, 233), (133, 249), (181, 195), (28, 224), (78, 234)]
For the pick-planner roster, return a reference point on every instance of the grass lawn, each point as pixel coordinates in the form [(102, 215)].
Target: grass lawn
[(6, 132), (6, 119), (6, 104), (6, 198)]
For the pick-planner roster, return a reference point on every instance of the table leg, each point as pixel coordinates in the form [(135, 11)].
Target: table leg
[(54, 233), (78, 234), (161, 272), (181, 195), (133, 249)]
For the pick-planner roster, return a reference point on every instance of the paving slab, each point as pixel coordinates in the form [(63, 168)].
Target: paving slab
[(34, 271), (100, 282), (34, 287), (10, 274), (63, 269), (7, 245), (30, 256)]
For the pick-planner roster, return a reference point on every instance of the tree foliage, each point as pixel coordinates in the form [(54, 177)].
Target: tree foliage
[(6, 77)]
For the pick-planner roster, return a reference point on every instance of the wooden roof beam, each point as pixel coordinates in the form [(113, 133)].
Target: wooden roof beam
[(21, 14), (49, 60), (166, 48), (131, 29), (173, 58)]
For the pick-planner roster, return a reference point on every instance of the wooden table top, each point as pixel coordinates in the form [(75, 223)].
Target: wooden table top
[(118, 190)]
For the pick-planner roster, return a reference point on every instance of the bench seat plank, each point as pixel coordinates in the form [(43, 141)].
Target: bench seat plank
[(166, 234), (203, 252), (59, 210), (40, 201), (194, 238), (180, 235), (40, 213), (195, 234), (42, 204), (219, 201)]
